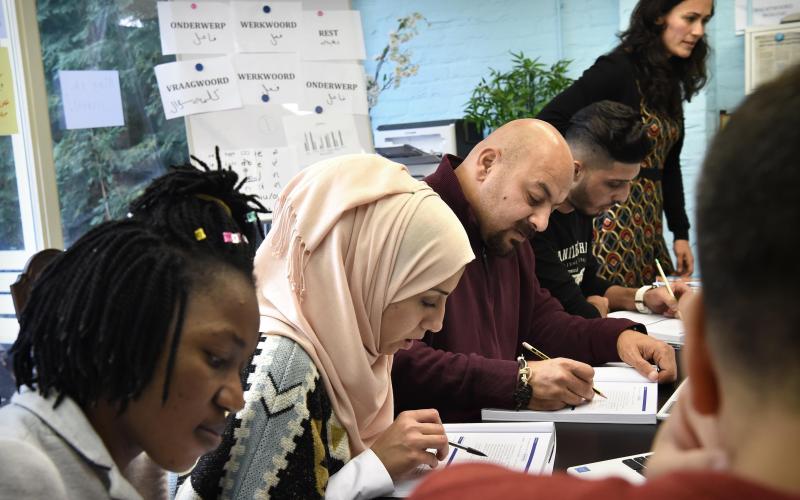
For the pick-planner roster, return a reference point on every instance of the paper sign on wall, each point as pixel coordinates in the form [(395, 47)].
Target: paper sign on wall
[(261, 27), (317, 137), (764, 12), (332, 34), (8, 105), (199, 86), (268, 79), (195, 28), (91, 99), (267, 170), (334, 87)]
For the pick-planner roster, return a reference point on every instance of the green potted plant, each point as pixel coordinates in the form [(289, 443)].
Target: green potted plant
[(520, 92)]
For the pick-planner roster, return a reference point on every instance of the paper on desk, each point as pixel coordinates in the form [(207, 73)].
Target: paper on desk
[(524, 447), (667, 329)]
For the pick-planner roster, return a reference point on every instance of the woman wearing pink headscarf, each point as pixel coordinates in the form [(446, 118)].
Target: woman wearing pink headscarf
[(358, 265)]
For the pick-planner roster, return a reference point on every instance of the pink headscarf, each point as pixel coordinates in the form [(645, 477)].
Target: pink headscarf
[(352, 235)]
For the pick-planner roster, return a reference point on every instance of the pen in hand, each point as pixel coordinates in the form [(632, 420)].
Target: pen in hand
[(467, 449), (669, 287), (539, 354)]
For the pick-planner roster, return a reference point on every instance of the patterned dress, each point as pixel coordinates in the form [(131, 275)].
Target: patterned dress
[(630, 236)]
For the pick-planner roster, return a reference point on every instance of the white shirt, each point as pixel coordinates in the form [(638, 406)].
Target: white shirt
[(361, 478), (55, 453)]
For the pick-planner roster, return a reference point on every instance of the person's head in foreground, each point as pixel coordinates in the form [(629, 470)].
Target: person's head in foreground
[(735, 433), (359, 264), (144, 324), (609, 142), (513, 179)]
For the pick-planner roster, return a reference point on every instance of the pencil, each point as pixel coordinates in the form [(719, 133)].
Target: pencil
[(539, 354), (467, 449), (669, 288)]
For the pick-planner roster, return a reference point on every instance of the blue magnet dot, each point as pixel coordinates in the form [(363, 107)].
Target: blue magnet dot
[(318, 109), (266, 9), (265, 98), (778, 37), (198, 67)]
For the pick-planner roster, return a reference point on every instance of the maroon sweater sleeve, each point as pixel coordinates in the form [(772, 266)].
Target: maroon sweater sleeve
[(560, 334)]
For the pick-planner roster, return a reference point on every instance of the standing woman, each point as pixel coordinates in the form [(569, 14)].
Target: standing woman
[(660, 62)]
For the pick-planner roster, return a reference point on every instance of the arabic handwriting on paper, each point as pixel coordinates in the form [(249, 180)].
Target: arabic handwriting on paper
[(198, 38), (274, 37), (210, 96)]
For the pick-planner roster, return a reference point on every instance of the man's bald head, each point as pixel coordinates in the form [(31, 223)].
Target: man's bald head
[(514, 178)]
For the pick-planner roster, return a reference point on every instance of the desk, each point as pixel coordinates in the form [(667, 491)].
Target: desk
[(579, 444)]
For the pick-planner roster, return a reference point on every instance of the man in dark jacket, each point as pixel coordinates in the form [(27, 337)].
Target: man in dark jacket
[(608, 142)]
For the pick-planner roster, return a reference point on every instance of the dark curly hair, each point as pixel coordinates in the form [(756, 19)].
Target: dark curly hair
[(664, 81), (104, 310)]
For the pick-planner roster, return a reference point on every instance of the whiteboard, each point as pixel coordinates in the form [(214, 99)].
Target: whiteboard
[(769, 51)]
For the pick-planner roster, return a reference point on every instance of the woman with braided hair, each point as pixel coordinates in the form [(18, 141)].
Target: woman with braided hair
[(133, 340)]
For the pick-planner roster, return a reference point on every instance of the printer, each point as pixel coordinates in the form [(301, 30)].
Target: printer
[(427, 142)]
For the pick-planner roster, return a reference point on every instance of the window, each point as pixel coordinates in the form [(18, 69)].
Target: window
[(99, 170)]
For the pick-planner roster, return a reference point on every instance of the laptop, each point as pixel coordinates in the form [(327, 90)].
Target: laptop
[(630, 468)]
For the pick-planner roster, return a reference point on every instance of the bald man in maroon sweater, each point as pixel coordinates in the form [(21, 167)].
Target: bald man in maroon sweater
[(503, 192)]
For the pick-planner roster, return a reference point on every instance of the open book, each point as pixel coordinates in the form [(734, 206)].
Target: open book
[(670, 330), (631, 399), (523, 446)]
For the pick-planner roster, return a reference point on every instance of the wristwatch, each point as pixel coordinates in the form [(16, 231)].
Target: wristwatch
[(524, 392), (638, 299)]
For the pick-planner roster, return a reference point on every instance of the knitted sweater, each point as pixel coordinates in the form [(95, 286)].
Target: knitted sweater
[(285, 443)]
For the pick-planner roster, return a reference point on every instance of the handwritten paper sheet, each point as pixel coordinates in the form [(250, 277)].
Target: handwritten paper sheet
[(332, 34), (337, 87), (198, 86), (8, 105), (268, 79), (318, 137), (520, 450), (91, 99), (195, 28), (267, 170), (262, 27)]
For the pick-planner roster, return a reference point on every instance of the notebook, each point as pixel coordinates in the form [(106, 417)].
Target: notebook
[(631, 399), (523, 446), (670, 330), (631, 468)]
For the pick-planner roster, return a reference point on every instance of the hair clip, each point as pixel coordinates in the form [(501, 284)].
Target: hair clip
[(229, 237), (251, 217), (199, 234)]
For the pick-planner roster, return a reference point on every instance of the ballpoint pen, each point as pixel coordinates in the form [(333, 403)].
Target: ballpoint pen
[(467, 449), (539, 354)]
